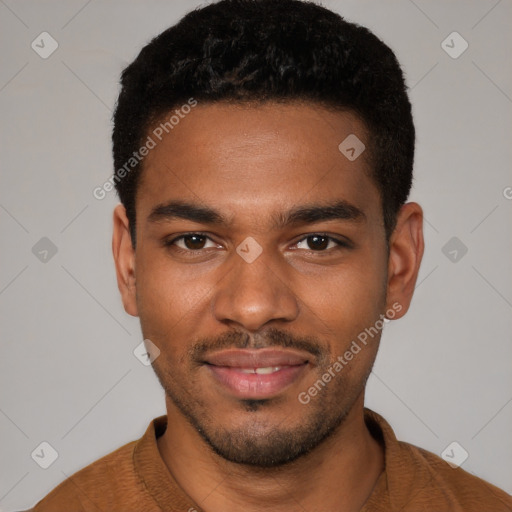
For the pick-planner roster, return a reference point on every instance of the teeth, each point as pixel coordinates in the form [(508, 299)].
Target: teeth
[(261, 371), (267, 370)]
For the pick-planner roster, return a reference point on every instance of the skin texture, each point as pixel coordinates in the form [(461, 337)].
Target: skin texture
[(251, 163)]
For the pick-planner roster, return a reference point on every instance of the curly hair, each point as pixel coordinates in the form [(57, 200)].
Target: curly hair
[(270, 50)]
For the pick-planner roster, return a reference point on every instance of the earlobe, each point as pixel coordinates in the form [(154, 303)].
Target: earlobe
[(406, 248), (124, 258)]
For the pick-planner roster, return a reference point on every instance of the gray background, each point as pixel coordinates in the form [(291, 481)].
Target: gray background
[(67, 373)]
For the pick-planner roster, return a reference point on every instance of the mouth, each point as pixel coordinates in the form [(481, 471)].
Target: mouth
[(257, 374)]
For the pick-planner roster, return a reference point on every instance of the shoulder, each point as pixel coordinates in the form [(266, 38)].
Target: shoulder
[(438, 482), (415, 479), (106, 480), (114, 482)]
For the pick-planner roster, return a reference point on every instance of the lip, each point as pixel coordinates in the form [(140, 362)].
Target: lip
[(260, 358), (227, 369)]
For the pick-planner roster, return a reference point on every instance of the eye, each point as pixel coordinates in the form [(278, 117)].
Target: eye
[(320, 243), (192, 242)]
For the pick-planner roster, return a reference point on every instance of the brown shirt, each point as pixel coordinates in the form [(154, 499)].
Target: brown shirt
[(135, 478)]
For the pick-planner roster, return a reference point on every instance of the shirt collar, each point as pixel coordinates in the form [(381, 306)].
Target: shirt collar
[(396, 482), (152, 471)]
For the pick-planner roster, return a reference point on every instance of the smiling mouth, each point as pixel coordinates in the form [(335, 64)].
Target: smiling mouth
[(261, 371), (256, 374), (256, 383)]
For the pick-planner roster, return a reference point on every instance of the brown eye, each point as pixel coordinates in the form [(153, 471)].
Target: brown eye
[(318, 242), (194, 242), (191, 242)]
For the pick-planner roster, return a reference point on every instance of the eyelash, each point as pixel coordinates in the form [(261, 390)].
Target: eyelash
[(340, 243)]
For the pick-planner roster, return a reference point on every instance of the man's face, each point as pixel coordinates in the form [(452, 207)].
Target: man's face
[(255, 304)]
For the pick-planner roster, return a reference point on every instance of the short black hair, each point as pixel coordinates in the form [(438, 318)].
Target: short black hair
[(269, 50)]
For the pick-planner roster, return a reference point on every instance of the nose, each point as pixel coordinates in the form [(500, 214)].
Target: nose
[(254, 294)]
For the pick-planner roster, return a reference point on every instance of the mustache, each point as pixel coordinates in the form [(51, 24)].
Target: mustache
[(270, 338)]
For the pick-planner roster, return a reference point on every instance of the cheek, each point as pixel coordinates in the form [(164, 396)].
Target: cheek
[(347, 295), (166, 296), (349, 302)]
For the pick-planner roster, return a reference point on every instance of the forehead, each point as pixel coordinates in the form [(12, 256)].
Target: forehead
[(256, 160)]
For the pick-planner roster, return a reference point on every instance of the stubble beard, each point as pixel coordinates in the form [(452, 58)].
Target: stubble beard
[(259, 443)]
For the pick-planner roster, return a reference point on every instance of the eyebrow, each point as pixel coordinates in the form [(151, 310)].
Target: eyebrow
[(305, 214)]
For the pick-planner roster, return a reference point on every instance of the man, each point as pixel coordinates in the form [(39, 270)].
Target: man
[(263, 153)]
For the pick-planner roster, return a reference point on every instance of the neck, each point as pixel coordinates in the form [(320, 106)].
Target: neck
[(339, 474)]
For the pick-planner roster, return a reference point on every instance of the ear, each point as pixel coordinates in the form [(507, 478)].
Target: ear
[(406, 247), (124, 258)]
